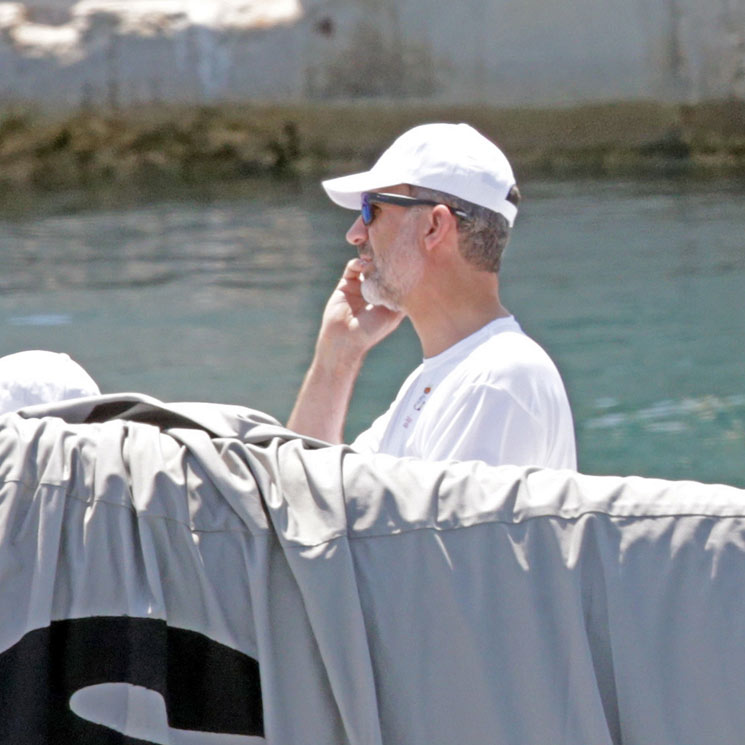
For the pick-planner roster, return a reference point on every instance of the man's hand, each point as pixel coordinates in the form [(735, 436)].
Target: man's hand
[(350, 327)]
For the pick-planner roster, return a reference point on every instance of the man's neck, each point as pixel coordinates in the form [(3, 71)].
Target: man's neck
[(441, 324)]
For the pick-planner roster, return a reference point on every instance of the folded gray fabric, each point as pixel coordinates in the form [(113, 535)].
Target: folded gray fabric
[(174, 571)]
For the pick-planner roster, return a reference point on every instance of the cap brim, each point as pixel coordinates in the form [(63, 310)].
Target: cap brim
[(346, 191)]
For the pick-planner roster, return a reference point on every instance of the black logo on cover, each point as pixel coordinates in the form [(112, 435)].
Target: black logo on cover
[(206, 686)]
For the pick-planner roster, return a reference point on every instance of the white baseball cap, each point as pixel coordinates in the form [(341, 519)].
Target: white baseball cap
[(36, 376), (452, 158)]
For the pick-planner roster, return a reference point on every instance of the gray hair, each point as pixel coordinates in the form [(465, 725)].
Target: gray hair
[(483, 236)]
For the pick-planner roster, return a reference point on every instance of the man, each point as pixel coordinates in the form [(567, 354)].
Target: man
[(436, 212)]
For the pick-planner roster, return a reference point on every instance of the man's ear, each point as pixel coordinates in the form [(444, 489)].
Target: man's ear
[(441, 226)]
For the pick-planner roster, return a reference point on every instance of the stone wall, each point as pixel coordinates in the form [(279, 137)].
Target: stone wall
[(492, 52)]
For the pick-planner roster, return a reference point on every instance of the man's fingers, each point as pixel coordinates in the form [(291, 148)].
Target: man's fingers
[(354, 268), (351, 279)]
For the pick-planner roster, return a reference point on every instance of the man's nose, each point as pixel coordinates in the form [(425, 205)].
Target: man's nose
[(357, 233)]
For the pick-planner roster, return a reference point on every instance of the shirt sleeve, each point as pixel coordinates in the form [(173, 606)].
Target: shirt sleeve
[(368, 441)]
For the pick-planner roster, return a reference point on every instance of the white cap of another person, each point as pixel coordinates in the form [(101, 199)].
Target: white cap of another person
[(452, 158), (37, 376)]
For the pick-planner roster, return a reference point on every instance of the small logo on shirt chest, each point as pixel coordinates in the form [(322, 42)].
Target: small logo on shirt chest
[(422, 399), (417, 406)]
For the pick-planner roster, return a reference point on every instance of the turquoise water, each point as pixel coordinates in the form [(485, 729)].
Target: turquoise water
[(635, 288)]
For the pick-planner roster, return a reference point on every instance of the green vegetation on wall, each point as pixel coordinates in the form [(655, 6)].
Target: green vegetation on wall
[(176, 144)]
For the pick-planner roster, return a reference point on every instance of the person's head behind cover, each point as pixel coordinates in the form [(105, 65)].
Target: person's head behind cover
[(38, 376)]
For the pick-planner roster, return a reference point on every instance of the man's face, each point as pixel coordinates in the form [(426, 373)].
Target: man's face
[(390, 245)]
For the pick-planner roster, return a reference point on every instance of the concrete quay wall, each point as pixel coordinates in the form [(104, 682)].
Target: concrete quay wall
[(499, 53)]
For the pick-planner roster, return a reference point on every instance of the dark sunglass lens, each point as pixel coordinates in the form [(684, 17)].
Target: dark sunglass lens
[(367, 211)]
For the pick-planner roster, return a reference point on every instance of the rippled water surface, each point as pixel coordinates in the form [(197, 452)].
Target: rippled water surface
[(635, 288)]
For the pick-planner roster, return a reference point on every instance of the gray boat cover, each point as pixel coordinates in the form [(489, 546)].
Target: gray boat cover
[(195, 573)]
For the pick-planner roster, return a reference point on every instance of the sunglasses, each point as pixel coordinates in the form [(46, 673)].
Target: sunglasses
[(371, 197)]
